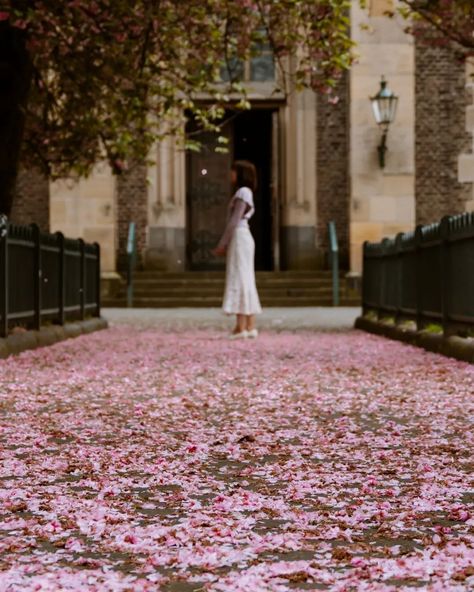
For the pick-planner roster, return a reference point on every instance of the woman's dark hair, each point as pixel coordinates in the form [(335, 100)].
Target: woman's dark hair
[(246, 174)]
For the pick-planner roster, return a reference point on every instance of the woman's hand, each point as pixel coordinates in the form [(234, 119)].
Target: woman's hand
[(218, 251)]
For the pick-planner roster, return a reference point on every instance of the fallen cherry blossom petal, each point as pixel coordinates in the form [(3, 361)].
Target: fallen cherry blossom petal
[(137, 459)]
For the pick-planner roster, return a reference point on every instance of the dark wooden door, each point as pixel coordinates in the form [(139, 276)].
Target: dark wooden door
[(208, 194), (252, 135)]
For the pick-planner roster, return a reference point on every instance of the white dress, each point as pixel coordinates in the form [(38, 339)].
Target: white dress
[(241, 295)]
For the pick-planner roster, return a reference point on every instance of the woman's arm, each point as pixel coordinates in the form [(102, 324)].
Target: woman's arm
[(238, 212)]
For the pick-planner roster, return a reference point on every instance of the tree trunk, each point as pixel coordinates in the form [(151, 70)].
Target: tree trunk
[(15, 79)]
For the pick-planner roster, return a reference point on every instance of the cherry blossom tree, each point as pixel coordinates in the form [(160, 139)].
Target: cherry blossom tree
[(87, 80), (443, 22)]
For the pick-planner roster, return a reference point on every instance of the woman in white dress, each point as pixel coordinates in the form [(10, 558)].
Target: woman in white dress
[(240, 297)]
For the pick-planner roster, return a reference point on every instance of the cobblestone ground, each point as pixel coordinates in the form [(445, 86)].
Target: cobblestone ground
[(143, 459)]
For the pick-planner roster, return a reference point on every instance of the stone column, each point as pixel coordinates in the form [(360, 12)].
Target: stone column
[(332, 162), (382, 199), (298, 224), (441, 134), (167, 208), (31, 203), (466, 161), (132, 206)]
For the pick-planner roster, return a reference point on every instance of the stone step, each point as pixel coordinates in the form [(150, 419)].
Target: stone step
[(267, 292), (219, 288), (215, 275), (261, 281), (211, 302), (205, 289)]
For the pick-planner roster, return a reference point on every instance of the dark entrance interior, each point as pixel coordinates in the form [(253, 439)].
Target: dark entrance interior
[(253, 141), (209, 190)]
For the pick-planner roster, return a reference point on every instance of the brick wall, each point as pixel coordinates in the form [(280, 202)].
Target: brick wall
[(132, 206), (31, 202), (440, 112), (333, 180)]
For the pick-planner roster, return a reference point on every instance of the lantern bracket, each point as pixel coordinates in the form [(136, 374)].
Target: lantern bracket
[(382, 149)]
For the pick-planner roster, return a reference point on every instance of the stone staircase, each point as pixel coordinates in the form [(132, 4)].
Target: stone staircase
[(154, 289)]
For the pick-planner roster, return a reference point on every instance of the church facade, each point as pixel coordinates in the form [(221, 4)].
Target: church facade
[(317, 162)]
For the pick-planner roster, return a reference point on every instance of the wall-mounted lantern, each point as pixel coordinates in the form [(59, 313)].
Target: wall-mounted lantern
[(384, 106)]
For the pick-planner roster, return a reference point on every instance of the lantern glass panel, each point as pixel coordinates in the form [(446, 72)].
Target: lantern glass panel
[(376, 110), (385, 109), (393, 108)]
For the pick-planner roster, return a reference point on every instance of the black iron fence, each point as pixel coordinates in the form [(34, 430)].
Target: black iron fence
[(46, 278), (426, 276)]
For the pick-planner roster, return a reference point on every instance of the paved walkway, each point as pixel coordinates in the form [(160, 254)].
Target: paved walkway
[(273, 319), (138, 459)]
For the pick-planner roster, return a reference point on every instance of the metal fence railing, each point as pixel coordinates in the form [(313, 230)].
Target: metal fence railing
[(334, 261), (46, 278), (131, 261), (426, 276)]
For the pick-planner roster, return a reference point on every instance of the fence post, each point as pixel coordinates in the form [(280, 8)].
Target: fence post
[(4, 276), (365, 278), (399, 286), (38, 275), (383, 278), (61, 280), (445, 232), (131, 260), (417, 246), (334, 262), (97, 271), (82, 272)]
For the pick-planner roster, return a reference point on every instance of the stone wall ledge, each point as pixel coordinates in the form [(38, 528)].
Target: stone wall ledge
[(456, 347), (20, 342), (110, 284)]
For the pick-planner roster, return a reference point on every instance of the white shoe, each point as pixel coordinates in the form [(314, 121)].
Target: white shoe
[(253, 334), (241, 335)]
